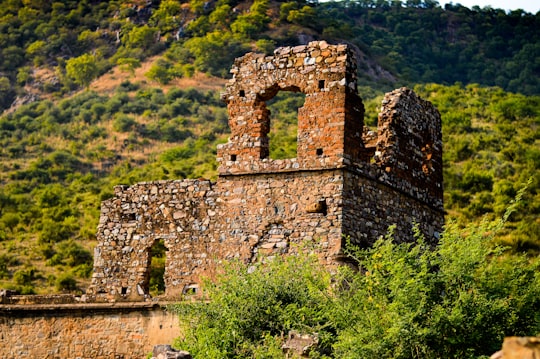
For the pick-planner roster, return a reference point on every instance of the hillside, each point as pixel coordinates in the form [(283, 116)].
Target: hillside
[(49, 48), (121, 92)]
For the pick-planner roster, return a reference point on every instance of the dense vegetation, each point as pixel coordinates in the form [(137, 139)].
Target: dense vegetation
[(59, 160), (50, 47), (407, 301), (62, 150)]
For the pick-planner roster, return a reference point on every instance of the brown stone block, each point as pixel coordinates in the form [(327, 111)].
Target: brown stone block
[(519, 348)]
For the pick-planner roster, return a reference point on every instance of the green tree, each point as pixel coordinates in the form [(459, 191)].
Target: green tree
[(167, 17), (159, 72), (142, 37), (82, 69), (254, 21), (7, 95), (214, 50), (37, 50), (128, 64), (221, 17), (306, 16)]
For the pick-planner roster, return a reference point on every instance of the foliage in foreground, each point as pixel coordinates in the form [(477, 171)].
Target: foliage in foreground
[(407, 301)]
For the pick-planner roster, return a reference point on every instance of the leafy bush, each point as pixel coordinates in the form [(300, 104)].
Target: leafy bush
[(66, 282), (70, 253), (159, 72), (57, 231), (10, 220), (408, 300), (25, 277), (6, 261), (457, 301), (250, 307), (157, 268), (82, 69), (123, 123)]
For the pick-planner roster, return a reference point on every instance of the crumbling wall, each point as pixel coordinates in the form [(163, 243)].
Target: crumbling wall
[(402, 185), (409, 143), (204, 223), (330, 124), (346, 181), (177, 212)]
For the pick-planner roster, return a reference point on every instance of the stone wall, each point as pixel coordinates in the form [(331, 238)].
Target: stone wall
[(346, 181), (330, 123), (86, 331), (177, 212), (204, 223)]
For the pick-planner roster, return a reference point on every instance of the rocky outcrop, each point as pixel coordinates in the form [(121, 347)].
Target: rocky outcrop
[(519, 348), (167, 352)]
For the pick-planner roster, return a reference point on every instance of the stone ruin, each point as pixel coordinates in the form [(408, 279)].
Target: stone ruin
[(346, 182)]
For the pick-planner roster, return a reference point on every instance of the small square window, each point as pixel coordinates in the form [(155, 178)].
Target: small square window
[(242, 93), (321, 84), (319, 151), (233, 158)]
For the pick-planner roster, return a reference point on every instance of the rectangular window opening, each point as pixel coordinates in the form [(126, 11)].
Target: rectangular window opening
[(321, 84), (283, 135), (319, 152)]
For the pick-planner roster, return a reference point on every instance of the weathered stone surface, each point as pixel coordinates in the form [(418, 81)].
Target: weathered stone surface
[(89, 331), (519, 348), (346, 180), (167, 352), (298, 344)]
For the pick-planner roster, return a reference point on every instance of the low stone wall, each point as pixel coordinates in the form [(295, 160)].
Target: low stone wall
[(93, 331)]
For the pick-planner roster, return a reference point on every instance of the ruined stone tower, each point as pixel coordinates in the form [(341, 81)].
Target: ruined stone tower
[(345, 181)]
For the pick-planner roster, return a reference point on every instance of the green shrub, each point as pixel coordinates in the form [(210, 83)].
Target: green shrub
[(70, 253), (123, 123), (159, 72), (66, 282), (408, 300), (250, 307), (157, 271), (10, 220), (98, 110), (56, 231), (6, 261), (25, 277)]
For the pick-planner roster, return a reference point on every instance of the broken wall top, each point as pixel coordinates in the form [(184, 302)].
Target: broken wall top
[(332, 114), (405, 151)]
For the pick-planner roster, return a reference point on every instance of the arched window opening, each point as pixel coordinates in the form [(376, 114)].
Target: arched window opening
[(284, 123), (157, 260)]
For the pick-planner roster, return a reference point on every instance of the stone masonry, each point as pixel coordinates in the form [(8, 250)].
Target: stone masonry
[(84, 330), (346, 181)]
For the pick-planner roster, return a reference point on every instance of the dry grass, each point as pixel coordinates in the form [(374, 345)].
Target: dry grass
[(111, 80)]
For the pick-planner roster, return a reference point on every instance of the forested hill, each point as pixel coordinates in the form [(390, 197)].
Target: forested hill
[(399, 42), (101, 93)]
